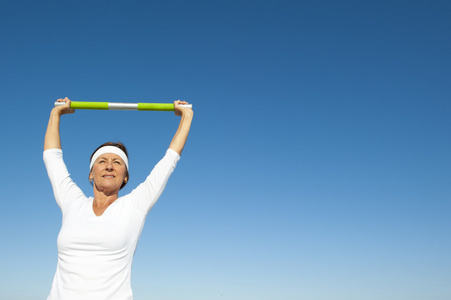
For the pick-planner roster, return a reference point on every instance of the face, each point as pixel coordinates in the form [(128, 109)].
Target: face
[(108, 173)]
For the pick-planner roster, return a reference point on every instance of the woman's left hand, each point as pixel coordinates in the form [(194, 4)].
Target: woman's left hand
[(179, 139), (180, 110)]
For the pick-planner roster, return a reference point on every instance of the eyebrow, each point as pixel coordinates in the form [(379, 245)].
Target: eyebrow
[(103, 157)]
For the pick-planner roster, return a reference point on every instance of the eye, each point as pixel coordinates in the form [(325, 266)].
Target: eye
[(117, 162)]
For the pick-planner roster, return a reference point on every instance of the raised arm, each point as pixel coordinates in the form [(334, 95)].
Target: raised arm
[(180, 137), (52, 136)]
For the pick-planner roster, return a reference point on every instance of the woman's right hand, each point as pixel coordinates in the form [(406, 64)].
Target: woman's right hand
[(52, 135), (63, 109)]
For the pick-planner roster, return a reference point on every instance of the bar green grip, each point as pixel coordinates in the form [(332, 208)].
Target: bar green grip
[(89, 105), (156, 106)]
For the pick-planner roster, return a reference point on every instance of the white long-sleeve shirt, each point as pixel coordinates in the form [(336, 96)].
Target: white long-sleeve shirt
[(95, 253)]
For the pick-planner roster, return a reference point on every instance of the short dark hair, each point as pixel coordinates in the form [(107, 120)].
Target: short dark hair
[(120, 146)]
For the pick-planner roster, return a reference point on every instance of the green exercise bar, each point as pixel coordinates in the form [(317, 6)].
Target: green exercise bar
[(123, 106)]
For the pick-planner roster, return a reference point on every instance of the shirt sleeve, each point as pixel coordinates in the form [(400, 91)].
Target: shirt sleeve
[(147, 193), (64, 189)]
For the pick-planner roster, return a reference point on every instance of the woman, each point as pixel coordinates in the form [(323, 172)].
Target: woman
[(99, 234)]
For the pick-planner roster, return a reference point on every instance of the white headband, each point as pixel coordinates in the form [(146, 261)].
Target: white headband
[(109, 149)]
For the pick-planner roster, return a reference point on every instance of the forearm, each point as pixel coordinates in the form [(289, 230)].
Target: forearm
[(180, 137), (52, 136)]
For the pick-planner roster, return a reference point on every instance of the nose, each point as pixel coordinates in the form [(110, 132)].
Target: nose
[(109, 165)]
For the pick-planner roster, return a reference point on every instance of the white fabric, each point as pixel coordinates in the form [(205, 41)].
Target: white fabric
[(95, 253), (109, 149)]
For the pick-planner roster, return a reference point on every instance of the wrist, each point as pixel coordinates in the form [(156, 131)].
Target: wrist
[(55, 113), (187, 113)]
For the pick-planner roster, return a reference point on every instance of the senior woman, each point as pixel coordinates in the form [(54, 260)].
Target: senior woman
[(99, 234)]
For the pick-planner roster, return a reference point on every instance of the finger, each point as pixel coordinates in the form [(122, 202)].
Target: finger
[(63, 100)]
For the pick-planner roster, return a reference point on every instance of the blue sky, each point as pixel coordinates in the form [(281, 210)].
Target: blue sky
[(318, 163)]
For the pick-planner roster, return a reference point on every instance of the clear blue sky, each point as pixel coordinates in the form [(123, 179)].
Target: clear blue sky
[(317, 168)]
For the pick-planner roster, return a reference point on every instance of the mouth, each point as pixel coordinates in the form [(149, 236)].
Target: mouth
[(109, 176)]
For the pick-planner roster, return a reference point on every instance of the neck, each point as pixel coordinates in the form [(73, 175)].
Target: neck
[(102, 199)]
